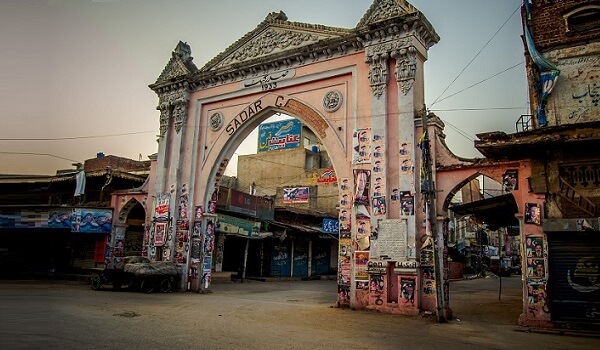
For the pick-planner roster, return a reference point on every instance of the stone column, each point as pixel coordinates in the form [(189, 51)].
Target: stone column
[(173, 104), (378, 59), (405, 71)]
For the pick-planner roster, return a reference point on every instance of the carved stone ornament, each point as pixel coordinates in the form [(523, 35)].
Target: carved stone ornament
[(387, 46), (378, 74), (172, 105), (164, 119), (332, 101), (216, 121), (387, 9), (179, 114), (406, 67), (271, 40)]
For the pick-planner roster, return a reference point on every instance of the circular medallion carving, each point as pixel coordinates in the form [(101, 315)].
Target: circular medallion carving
[(332, 101), (216, 121)]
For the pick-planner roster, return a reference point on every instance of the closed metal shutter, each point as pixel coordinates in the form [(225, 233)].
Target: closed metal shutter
[(574, 276)]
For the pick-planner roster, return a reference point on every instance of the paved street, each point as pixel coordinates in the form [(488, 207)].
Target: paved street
[(258, 315)]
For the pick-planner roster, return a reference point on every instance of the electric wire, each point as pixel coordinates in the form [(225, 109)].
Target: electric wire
[(77, 137), (482, 81), (476, 55), (39, 154)]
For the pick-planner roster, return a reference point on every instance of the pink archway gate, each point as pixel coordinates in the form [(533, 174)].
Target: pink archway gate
[(360, 90), (452, 173)]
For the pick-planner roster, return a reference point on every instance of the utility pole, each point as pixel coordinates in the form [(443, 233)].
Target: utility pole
[(429, 194)]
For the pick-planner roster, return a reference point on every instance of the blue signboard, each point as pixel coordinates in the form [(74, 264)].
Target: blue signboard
[(283, 134), (330, 226), (91, 220)]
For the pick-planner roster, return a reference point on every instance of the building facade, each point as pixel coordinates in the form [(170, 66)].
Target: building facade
[(63, 223), (560, 240)]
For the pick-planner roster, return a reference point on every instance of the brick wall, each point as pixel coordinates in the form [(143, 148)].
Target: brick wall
[(115, 163), (549, 28)]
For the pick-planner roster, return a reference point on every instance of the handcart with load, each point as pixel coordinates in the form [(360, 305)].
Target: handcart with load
[(139, 273)]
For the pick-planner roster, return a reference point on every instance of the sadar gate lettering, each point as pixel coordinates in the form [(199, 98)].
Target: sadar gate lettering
[(252, 109)]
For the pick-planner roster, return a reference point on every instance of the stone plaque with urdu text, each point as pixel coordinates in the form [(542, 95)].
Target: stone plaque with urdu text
[(392, 236)]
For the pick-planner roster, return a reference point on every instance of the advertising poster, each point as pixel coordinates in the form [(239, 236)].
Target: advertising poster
[(407, 203), (361, 146), (378, 167), (90, 220), (395, 196), (536, 292), (161, 211), (345, 220), (278, 135), (534, 247), (183, 205), (536, 268), (362, 180), (344, 274), (199, 213), (345, 250), (344, 295), (295, 195), (510, 181), (196, 248), (59, 218), (378, 150), (160, 234), (407, 289), (361, 261), (379, 188), (379, 207), (346, 188), (406, 166), (376, 285), (533, 214)]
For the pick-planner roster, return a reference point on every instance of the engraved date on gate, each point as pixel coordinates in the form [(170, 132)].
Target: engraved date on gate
[(269, 86)]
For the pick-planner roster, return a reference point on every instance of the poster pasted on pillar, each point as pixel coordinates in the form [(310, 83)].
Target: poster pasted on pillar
[(361, 146), (407, 289)]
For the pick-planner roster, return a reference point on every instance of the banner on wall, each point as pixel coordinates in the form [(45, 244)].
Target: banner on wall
[(330, 226), (327, 177), (283, 134), (241, 227), (161, 211), (295, 195), (91, 220), (160, 234)]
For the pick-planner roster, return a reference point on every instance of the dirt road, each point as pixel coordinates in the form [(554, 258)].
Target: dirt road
[(256, 315)]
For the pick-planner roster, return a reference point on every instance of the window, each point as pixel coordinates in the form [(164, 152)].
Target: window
[(583, 19)]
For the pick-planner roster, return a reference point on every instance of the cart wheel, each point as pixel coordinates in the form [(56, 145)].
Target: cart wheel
[(96, 281), (166, 285), (147, 286)]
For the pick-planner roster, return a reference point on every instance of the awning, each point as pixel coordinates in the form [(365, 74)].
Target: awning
[(496, 212)]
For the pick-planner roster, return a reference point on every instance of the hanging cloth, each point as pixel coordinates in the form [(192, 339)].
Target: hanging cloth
[(548, 72), (80, 183)]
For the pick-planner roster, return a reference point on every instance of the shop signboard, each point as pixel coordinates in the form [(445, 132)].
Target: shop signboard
[(237, 226), (330, 226), (91, 220), (242, 203), (283, 134), (295, 195)]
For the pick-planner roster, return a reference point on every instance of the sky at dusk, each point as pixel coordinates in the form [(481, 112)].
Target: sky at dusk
[(76, 72)]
